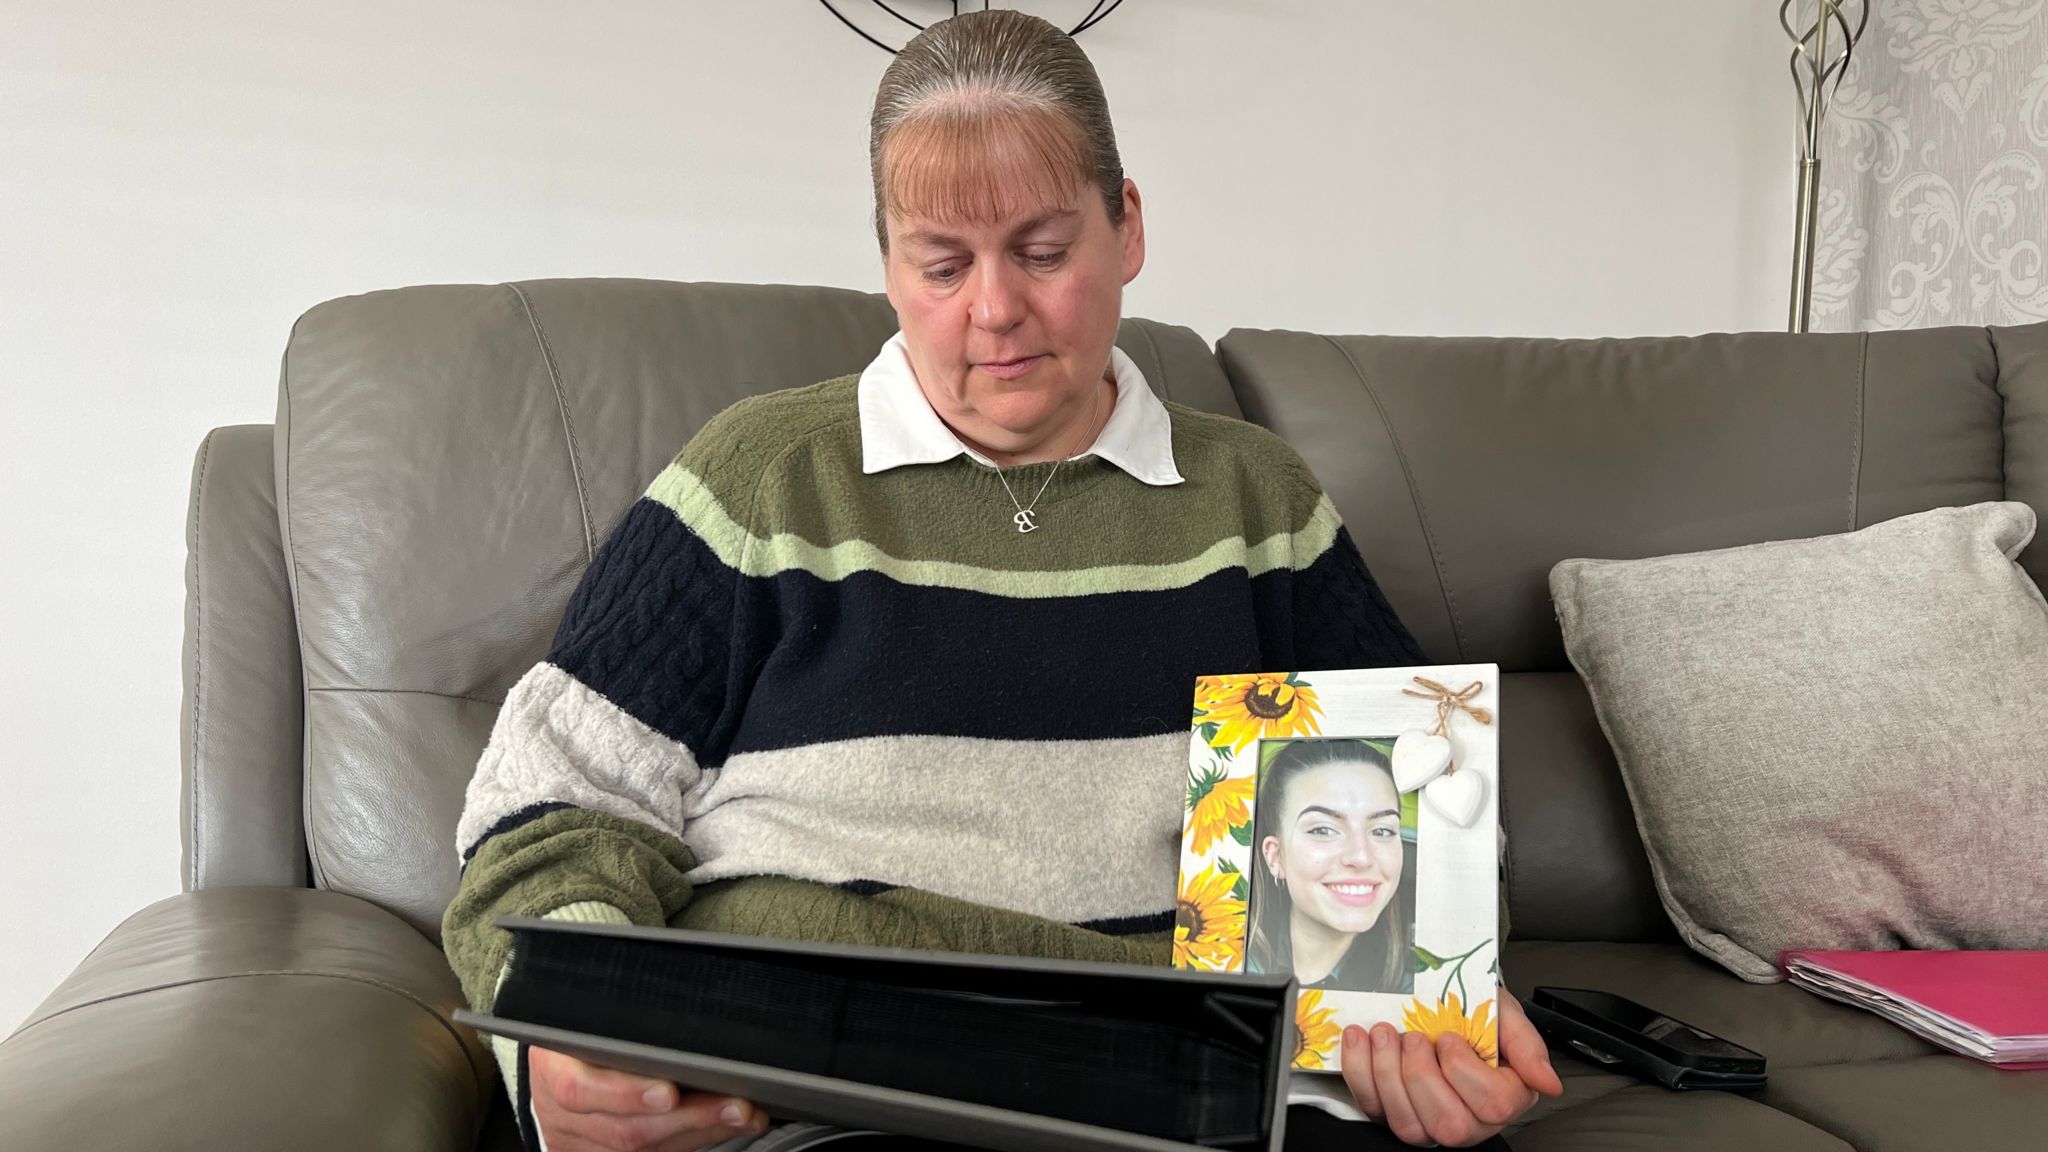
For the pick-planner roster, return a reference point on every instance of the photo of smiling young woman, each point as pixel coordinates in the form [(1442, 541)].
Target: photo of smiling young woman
[(1333, 890)]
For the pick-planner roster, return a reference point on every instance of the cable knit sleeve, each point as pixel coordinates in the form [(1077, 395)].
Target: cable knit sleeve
[(576, 807), (1341, 618)]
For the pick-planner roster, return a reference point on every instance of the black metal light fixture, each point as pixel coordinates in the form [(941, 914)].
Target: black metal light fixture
[(1096, 15)]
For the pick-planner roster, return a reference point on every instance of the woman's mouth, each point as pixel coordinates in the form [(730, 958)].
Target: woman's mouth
[(1356, 893), (1009, 369)]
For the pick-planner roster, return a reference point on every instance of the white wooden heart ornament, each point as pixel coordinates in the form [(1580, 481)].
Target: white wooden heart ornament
[(1419, 757), (1456, 796)]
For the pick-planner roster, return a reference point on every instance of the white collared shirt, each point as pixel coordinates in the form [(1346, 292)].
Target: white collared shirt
[(899, 427)]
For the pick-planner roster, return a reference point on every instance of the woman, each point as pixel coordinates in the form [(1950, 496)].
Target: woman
[(864, 645), (1330, 903)]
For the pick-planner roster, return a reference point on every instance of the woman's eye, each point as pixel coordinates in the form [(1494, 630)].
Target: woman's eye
[(1322, 830), (1382, 831)]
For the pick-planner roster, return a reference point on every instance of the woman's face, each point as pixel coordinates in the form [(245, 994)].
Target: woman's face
[(1338, 847), (1010, 311)]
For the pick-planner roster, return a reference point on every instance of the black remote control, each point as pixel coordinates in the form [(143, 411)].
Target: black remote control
[(1626, 1036)]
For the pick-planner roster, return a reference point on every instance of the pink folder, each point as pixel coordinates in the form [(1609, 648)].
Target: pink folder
[(1991, 1006)]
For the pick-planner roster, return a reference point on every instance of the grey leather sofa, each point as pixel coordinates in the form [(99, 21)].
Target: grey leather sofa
[(369, 575)]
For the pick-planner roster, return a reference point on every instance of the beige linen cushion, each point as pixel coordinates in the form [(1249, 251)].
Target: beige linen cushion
[(1831, 743)]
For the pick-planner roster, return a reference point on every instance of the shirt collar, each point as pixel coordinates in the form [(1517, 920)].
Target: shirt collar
[(898, 426)]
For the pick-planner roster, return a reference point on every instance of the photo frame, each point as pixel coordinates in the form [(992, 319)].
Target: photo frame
[(1343, 826)]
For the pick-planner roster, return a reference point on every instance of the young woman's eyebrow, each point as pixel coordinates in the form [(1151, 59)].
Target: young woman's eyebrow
[(1333, 814)]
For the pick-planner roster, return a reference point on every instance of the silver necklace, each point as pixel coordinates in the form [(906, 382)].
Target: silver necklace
[(1024, 519)]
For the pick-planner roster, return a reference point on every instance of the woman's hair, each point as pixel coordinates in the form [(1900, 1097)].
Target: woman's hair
[(975, 86), (1380, 958)]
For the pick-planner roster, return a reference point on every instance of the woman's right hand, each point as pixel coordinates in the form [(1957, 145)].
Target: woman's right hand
[(583, 1108)]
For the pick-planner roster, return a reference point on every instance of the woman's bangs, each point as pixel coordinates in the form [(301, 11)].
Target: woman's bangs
[(982, 168)]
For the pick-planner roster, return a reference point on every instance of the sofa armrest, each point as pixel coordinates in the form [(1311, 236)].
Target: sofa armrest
[(250, 1018), (242, 724)]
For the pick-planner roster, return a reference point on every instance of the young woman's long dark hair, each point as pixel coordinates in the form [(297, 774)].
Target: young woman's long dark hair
[(1380, 959)]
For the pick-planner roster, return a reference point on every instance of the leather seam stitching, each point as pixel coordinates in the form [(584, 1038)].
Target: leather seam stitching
[(1856, 444), (498, 703), (547, 356), (198, 653), (1414, 493), (2004, 410), (308, 827), (351, 977)]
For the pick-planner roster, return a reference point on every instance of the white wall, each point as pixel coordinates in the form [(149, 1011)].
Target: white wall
[(179, 180)]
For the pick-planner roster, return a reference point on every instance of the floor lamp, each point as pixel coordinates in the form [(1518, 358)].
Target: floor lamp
[(1820, 57)]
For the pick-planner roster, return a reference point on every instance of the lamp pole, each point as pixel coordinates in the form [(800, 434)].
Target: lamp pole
[(1821, 52)]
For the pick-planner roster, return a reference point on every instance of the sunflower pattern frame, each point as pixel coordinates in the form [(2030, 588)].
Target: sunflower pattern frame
[(1454, 869)]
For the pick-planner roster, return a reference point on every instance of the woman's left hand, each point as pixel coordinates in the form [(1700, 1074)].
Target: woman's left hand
[(1443, 1093)]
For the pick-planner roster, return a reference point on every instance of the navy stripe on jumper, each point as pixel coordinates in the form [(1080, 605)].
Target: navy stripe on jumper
[(881, 658), (651, 628), (1131, 925), (727, 664)]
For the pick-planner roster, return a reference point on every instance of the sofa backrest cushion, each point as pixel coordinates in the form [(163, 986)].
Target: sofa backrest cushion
[(1467, 467), (2023, 382), (449, 457)]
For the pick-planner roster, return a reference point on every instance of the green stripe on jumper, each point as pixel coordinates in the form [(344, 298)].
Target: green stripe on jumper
[(790, 463), (682, 492)]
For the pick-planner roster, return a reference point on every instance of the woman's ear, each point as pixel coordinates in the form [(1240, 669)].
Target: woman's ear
[(1270, 849), (1133, 232)]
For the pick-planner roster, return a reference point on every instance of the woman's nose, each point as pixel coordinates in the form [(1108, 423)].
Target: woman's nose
[(1357, 852), (998, 305)]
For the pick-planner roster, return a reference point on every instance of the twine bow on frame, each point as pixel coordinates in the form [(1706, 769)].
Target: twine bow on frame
[(1450, 702)]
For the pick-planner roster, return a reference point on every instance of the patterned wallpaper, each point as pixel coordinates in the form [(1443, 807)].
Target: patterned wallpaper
[(1934, 173)]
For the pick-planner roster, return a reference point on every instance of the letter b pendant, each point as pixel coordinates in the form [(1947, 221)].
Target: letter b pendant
[(1024, 521)]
